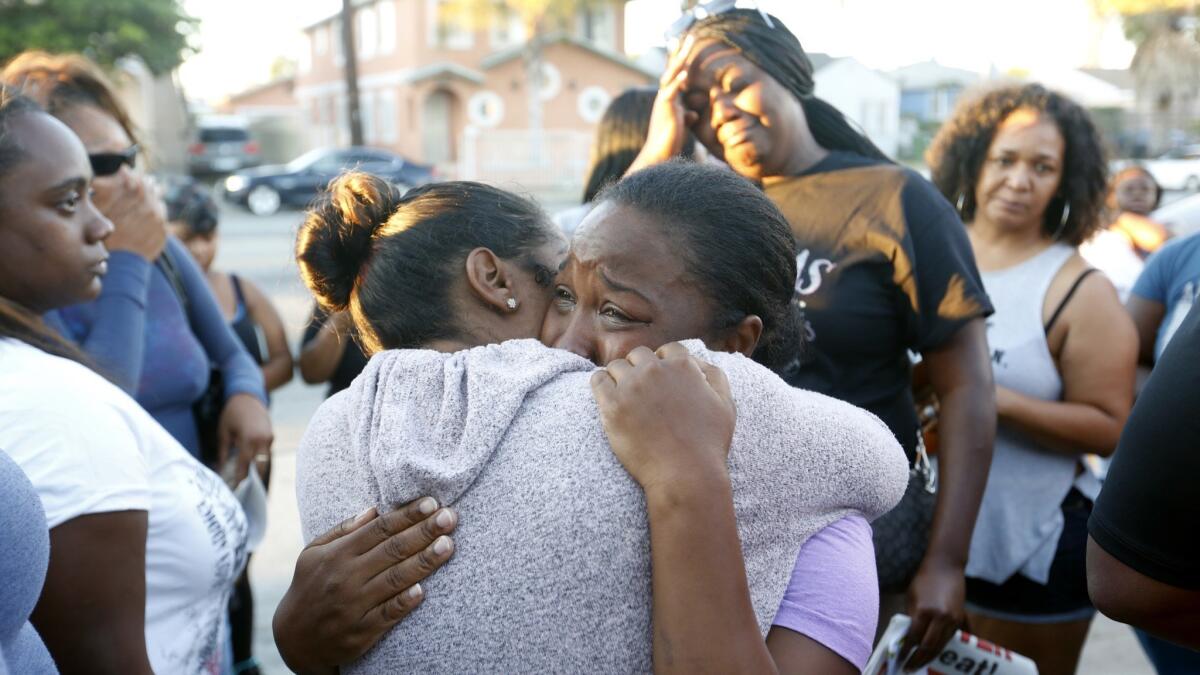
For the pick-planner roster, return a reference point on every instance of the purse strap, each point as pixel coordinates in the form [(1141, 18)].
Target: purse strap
[(923, 467), (171, 272)]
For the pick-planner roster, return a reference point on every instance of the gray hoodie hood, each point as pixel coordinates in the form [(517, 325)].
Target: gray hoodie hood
[(551, 571)]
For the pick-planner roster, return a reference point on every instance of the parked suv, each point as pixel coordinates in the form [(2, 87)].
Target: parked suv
[(222, 149)]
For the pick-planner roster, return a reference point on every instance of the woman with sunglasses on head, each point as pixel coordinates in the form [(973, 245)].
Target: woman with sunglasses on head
[(155, 328), (1028, 167), (145, 543), (551, 569), (884, 269)]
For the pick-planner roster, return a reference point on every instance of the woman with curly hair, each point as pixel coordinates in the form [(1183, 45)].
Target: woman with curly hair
[(885, 269), (1026, 168)]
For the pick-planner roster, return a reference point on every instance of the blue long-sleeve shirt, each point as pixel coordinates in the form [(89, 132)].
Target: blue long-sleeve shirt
[(140, 334)]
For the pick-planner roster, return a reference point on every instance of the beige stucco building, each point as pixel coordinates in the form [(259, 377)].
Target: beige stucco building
[(438, 91)]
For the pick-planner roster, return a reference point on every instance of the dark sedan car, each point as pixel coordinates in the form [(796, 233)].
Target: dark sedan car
[(264, 189)]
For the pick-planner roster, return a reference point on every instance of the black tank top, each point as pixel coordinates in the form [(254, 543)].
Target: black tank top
[(247, 330)]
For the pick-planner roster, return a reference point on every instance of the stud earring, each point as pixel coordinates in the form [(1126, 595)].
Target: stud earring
[(512, 304)]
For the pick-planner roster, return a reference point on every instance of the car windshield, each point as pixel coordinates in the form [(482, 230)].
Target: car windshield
[(307, 159), (223, 135)]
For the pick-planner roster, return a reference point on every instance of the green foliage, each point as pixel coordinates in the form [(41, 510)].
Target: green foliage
[(538, 16), (1141, 27), (104, 30)]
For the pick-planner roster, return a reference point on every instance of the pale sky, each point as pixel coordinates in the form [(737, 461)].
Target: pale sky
[(241, 38)]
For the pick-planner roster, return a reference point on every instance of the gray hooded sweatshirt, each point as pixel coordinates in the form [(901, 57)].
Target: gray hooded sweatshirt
[(551, 572)]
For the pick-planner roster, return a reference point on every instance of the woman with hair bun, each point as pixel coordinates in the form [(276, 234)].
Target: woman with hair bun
[(884, 270), (552, 568), (1027, 167)]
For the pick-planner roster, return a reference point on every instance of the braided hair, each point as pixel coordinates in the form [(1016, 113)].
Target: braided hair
[(775, 50)]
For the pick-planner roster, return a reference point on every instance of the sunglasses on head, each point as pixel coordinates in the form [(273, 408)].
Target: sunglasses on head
[(703, 10), (108, 163)]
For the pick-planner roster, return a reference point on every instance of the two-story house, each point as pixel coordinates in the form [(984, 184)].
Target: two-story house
[(439, 91)]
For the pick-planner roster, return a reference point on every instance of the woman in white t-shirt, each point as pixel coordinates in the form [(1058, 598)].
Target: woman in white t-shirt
[(145, 542)]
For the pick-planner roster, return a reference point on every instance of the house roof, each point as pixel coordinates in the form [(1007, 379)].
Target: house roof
[(1118, 78), (511, 53), (931, 74), (1086, 89), (287, 82), (820, 60), (445, 69), (335, 15)]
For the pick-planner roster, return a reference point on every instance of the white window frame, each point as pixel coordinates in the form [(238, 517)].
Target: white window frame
[(386, 16), (366, 32), (506, 30), (389, 122), (605, 13), (341, 120), (321, 40), (366, 115), (306, 55), (339, 52), (458, 40)]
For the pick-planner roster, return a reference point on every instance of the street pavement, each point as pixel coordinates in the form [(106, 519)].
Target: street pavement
[(260, 249)]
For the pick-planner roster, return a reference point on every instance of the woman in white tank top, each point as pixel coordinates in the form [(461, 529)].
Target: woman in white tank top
[(1063, 356)]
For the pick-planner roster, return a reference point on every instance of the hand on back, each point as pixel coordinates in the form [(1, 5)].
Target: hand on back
[(358, 580)]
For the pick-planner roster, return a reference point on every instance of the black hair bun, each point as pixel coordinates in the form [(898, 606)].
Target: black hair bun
[(335, 240)]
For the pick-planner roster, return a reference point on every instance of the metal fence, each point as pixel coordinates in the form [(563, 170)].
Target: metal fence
[(550, 167)]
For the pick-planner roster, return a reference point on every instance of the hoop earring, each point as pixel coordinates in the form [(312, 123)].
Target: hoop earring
[(1062, 225), (962, 198)]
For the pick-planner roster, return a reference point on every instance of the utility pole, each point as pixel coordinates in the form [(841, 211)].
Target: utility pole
[(350, 54)]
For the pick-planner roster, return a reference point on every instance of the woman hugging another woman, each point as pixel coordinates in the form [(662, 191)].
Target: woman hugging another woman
[(563, 562)]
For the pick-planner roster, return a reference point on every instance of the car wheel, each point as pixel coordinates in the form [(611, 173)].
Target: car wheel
[(1192, 184), (263, 200)]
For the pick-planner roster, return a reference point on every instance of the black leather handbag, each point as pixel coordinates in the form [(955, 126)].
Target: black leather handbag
[(901, 536)]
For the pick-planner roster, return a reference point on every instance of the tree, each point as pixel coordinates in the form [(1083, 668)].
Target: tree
[(1166, 65), (104, 30), (1131, 7), (541, 19)]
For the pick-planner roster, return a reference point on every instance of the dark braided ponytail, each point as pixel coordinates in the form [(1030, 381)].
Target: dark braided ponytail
[(778, 53)]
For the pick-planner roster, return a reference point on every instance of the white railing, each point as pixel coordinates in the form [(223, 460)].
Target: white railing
[(514, 158)]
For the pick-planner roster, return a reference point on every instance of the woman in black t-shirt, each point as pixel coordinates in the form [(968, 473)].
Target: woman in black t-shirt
[(885, 268), (329, 352)]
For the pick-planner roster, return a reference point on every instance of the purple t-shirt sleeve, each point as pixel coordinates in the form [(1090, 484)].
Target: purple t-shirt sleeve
[(833, 596)]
